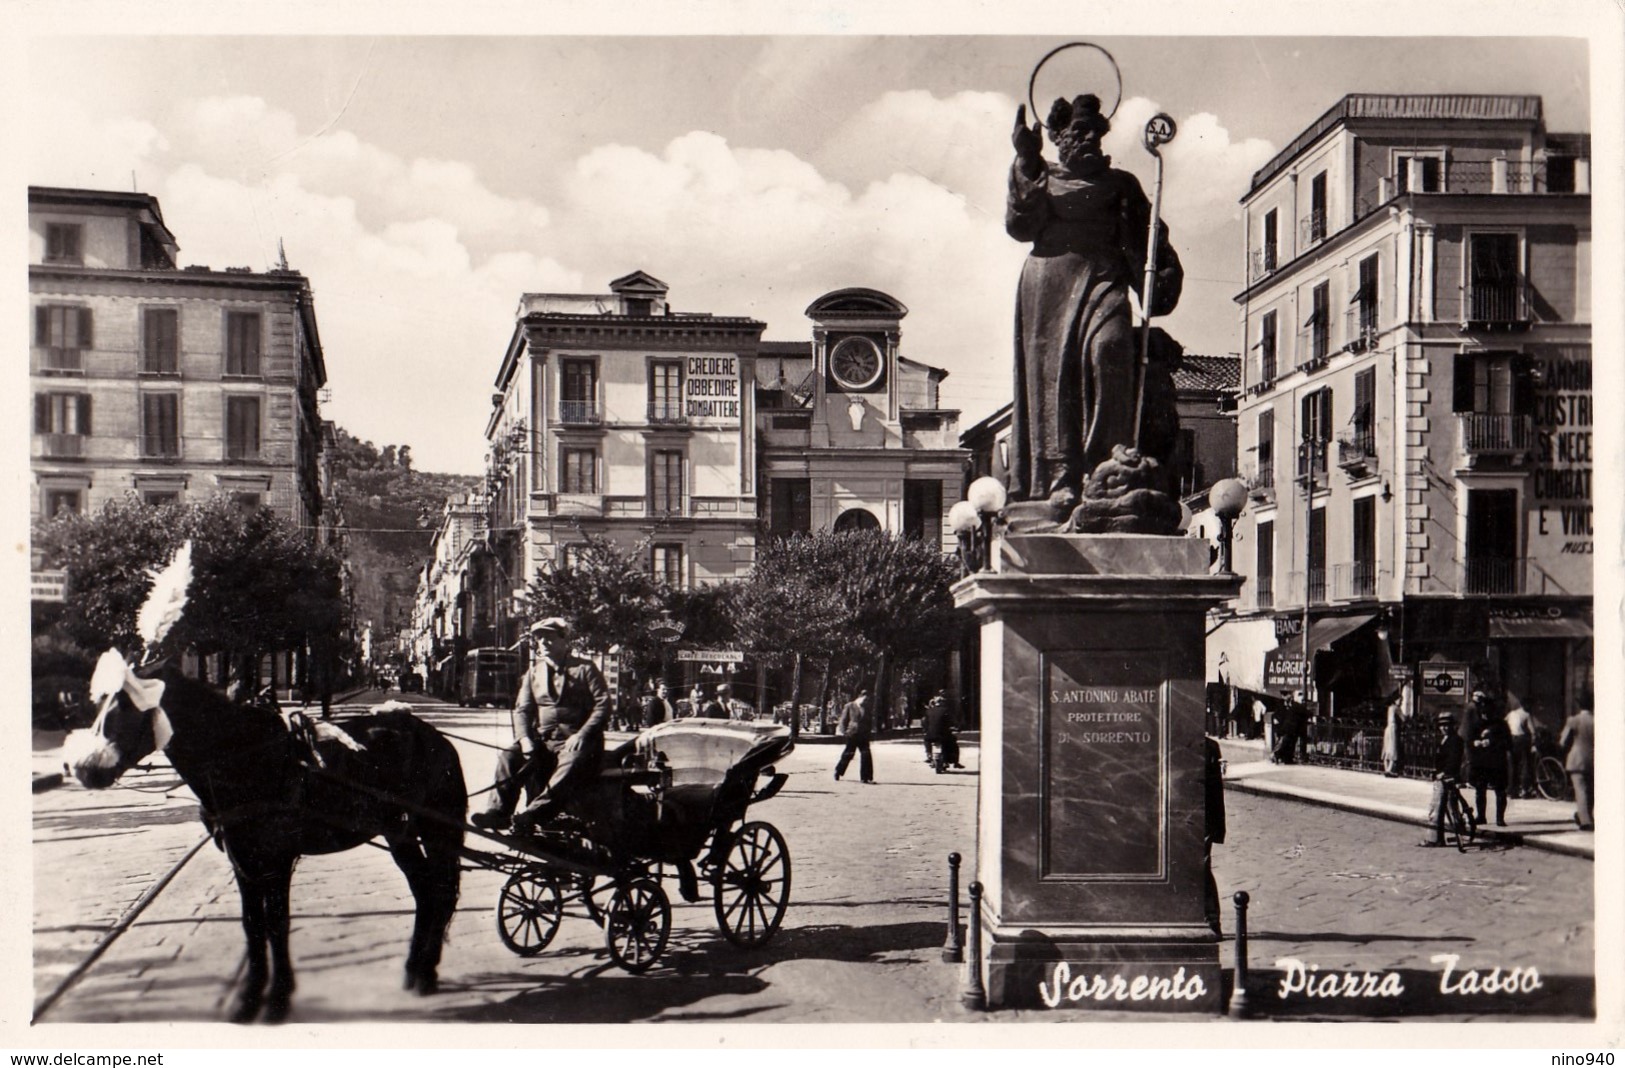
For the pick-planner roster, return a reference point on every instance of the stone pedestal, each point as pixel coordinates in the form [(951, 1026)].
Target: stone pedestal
[(1091, 820)]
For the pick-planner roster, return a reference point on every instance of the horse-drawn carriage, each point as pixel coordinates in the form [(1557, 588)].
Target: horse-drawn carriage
[(675, 797)]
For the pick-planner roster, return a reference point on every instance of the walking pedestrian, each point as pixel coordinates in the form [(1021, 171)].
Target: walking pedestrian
[(939, 729), (856, 725), (1521, 739), (1576, 743), (1446, 770), (1487, 766), (1392, 758)]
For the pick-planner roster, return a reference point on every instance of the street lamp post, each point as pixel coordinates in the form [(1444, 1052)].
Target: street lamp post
[(1312, 450)]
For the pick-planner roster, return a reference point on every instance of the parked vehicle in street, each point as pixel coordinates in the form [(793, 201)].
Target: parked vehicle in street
[(490, 677)]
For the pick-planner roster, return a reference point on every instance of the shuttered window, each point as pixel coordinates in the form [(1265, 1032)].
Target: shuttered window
[(243, 343), (242, 428), (160, 424), (160, 340)]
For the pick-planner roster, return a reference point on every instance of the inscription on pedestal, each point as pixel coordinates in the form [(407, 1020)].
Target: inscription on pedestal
[(1104, 774)]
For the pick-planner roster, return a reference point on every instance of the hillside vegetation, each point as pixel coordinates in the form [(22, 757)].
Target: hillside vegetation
[(391, 511)]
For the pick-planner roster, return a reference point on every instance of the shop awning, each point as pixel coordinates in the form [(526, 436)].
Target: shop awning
[(1323, 632), (1538, 627)]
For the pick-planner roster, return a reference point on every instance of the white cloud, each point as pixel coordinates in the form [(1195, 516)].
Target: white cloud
[(418, 265), (1204, 171)]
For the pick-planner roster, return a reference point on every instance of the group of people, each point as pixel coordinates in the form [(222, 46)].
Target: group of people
[(1497, 754)]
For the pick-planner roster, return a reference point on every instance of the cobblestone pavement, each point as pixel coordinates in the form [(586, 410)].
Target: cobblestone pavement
[(863, 935)]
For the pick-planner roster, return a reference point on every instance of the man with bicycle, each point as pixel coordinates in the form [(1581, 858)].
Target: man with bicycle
[(1446, 771)]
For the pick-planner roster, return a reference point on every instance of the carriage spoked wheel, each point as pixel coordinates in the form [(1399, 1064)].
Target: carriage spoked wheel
[(529, 909), (637, 924), (752, 885)]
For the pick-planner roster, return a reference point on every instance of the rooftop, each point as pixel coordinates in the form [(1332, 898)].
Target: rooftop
[(1416, 107)]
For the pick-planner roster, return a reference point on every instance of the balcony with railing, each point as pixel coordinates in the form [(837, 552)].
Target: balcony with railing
[(1264, 591), (57, 360), (62, 446), (667, 413), (1560, 174), (1261, 481), (1354, 582), (1357, 452), (1360, 327), (1496, 304), (1316, 586), (1314, 345), (1312, 463), (1486, 435), (579, 413), (1263, 262), (1493, 576), (1312, 228)]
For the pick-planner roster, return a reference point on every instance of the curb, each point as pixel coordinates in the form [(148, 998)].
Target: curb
[(1398, 815)]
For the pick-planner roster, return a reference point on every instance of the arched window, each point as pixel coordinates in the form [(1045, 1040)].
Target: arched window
[(856, 519)]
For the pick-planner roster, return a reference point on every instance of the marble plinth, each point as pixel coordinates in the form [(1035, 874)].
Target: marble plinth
[(1090, 838)]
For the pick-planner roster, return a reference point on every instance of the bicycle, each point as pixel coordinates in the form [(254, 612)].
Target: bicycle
[(1551, 777), (1460, 825)]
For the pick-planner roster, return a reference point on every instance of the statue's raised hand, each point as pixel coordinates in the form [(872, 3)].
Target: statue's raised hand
[(1028, 142)]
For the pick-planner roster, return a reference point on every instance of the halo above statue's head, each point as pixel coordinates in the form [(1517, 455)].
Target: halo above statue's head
[(1071, 90)]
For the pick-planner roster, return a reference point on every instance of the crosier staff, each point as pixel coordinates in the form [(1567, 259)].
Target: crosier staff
[(1159, 130)]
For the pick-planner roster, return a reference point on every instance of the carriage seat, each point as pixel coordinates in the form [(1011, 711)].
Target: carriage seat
[(701, 753)]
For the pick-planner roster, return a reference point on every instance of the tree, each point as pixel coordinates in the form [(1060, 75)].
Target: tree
[(606, 596), (845, 599), (258, 584)]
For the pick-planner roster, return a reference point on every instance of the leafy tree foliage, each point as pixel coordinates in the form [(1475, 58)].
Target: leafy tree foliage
[(258, 582), (847, 598)]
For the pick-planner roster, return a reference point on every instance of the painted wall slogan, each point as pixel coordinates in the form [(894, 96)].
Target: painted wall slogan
[(711, 390), (1104, 778), (1560, 486)]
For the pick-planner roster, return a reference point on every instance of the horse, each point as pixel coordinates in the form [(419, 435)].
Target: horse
[(269, 799)]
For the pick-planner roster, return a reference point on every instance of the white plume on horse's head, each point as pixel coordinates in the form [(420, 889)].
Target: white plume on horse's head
[(167, 599)]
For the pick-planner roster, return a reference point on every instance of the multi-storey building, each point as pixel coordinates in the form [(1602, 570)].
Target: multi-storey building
[(162, 381), (1415, 422), (688, 437), (852, 433)]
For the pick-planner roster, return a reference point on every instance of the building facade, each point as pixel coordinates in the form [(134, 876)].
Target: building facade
[(853, 435), (1205, 394), (167, 382), (1415, 420), (689, 438)]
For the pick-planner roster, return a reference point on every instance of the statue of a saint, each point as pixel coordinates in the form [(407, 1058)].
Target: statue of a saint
[(1076, 343)]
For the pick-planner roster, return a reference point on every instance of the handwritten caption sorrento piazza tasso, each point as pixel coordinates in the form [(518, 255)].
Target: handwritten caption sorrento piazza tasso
[(1107, 714)]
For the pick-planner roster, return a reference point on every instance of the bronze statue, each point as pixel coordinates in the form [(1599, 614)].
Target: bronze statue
[(1074, 429)]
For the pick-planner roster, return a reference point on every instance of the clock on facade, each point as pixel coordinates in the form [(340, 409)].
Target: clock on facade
[(856, 363)]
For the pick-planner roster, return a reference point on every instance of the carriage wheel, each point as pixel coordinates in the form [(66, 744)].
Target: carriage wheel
[(529, 909), (753, 885), (637, 924), (1551, 780)]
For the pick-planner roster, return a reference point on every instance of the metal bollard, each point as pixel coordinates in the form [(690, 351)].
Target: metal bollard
[(952, 950), (974, 996), (1239, 1007)]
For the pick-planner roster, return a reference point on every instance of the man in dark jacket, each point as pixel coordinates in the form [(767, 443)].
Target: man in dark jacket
[(657, 707), (855, 725), (939, 731), (1446, 771), (559, 719)]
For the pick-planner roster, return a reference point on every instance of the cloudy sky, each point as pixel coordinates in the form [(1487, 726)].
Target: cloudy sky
[(424, 182)]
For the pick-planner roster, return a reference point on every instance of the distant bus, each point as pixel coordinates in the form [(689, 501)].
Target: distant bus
[(490, 677)]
